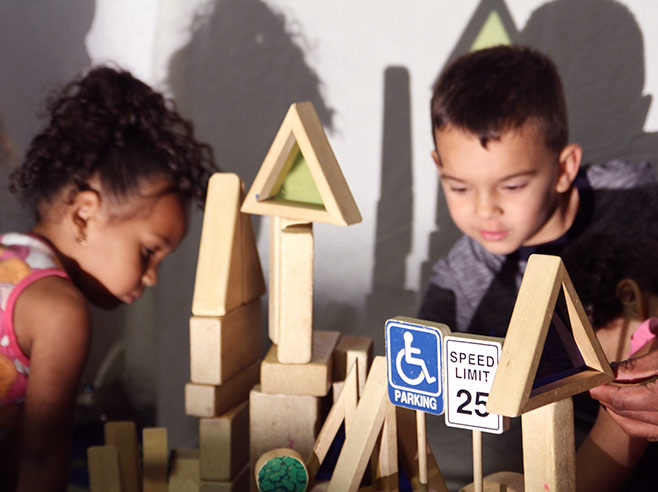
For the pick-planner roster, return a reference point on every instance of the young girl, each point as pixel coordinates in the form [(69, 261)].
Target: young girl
[(617, 282), (110, 180)]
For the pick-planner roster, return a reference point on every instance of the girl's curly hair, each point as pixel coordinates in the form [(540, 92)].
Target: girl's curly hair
[(110, 123)]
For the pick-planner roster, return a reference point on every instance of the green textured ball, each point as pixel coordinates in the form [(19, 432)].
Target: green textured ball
[(282, 474)]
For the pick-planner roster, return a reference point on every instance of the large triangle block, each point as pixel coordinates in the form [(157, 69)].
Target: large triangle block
[(550, 351), (228, 272), (300, 178)]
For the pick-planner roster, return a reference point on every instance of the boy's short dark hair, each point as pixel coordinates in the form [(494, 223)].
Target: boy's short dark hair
[(494, 90)]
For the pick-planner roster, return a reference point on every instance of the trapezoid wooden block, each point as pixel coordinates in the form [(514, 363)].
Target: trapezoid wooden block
[(550, 351), (311, 379), (228, 271), (300, 178), (224, 444), (207, 400), (123, 436), (283, 421), (221, 346)]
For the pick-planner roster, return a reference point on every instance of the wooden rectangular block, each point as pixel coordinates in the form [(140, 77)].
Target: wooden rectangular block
[(295, 293), (205, 400), (103, 467), (155, 453), (274, 287), (239, 484), (312, 379), (283, 421), (224, 444), (184, 473), (123, 436), (221, 346), (351, 349)]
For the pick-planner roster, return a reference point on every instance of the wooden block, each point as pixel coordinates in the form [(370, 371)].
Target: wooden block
[(408, 451), (500, 482), (301, 132), (283, 421), (123, 436), (205, 400), (269, 466), (313, 379), (103, 467), (155, 451), (274, 293), (184, 474), (296, 293), (549, 456), (239, 484), (224, 444), (221, 346), (228, 271), (343, 410), (386, 474), (352, 349), (368, 421)]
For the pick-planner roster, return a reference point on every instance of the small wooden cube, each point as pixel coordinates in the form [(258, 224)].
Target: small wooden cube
[(351, 349)]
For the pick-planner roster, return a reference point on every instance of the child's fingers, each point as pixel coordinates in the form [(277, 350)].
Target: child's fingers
[(636, 425), (634, 370)]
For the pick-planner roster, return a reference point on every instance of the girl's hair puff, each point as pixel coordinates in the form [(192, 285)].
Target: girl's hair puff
[(109, 123)]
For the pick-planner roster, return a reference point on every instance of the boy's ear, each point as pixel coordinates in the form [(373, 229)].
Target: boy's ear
[(435, 156), (569, 163), (84, 207), (630, 295)]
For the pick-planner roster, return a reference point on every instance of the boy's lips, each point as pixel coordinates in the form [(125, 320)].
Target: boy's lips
[(493, 235)]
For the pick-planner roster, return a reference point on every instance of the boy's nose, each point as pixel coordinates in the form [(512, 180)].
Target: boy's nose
[(150, 277), (486, 206)]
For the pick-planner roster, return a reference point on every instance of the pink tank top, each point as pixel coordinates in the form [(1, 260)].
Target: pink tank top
[(24, 258)]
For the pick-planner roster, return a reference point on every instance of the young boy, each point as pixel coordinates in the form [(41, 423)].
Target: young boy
[(513, 184)]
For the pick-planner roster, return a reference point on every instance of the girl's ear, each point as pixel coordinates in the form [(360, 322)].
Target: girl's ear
[(630, 295), (84, 208), (569, 163)]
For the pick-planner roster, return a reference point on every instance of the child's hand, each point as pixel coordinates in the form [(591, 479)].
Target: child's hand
[(633, 406)]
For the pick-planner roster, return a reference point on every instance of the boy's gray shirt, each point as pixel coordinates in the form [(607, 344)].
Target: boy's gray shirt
[(473, 290)]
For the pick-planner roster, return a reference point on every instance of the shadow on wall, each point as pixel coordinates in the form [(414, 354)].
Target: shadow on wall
[(43, 45), (236, 79), (598, 48)]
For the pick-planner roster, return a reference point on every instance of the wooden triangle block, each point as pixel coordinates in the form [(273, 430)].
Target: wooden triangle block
[(547, 313), (300, 178), (228, 272)]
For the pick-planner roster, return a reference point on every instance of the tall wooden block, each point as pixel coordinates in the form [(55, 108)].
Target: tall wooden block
[(228, 270), (155, 451), (274, 292), (205, 400), (295, 293), (283, 421), (184, 474), (549, 459), (351, 349), (103, 467), (123, 436), (312, 379), (239, 484), (221, 346), (224, 444)]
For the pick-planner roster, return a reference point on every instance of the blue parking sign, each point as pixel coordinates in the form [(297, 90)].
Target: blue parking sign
[(414, 363)]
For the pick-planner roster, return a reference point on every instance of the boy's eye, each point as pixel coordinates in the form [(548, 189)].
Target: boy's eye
[(514, 186), (458, 188)]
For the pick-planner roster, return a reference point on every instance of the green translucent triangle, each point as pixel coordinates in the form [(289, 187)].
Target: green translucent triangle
[(492, 33), (299, 186)]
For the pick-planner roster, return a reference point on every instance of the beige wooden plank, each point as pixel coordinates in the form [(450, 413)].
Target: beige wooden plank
[(368, 421), (350, 349), (123, 436), (313, 378), (386, 476), (220, 347), (274, 293), (103, 467), (549, 459), (155, 453), (184, 473), (224, 444), (205, 400)]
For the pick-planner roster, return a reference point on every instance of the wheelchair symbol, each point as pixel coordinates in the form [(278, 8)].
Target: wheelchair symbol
[(409, 353)]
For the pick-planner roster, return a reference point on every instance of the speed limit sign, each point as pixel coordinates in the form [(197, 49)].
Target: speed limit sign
[(470, 366)]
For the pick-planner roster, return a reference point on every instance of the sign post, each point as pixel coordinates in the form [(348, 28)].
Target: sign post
[(414, 360), (470, 365)]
